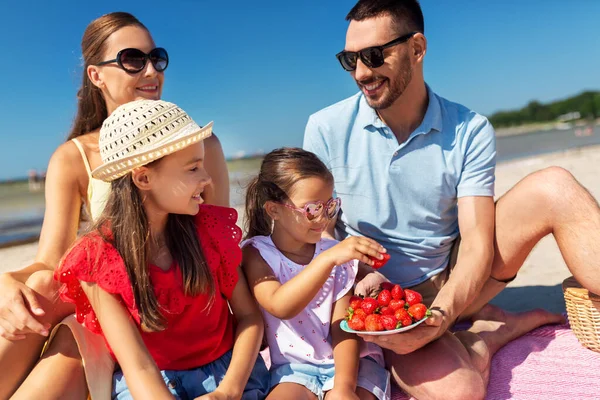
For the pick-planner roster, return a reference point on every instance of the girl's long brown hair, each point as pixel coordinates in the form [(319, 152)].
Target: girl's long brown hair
[(91, 107), (126, 220), (280, 170)]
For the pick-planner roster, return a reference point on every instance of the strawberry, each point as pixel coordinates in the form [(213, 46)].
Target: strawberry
[(377, 263), (361, 313), (384, 297), (373, 323), (387, 286), (357, 323), (418, 311), (369, 305), (403, 317), (388, 322), (355, 302), (397, 292), (412, 297), (396, 304), (386, 311)]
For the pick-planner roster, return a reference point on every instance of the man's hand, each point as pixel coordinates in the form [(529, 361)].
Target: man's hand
[(18, 308), (369, 286), (409, 341)]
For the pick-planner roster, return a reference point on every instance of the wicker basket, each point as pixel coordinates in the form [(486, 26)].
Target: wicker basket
[(583, 309)]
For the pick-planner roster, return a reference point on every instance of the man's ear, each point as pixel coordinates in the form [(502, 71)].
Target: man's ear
[(93, 73), (273, 209), (419, 47), (142, 178)]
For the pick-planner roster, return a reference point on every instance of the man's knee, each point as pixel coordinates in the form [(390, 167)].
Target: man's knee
[(555, 183), (43, 283)]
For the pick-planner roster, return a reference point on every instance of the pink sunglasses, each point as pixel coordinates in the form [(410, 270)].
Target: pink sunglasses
[(314, 210)]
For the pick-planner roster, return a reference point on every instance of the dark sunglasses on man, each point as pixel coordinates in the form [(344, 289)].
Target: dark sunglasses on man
[(134, 60), (372, 57)]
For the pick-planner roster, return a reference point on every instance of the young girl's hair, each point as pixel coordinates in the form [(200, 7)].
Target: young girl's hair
[(126, 220), (280, 170)]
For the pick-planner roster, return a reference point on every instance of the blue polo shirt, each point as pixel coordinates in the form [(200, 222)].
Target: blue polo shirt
[(405, 195)]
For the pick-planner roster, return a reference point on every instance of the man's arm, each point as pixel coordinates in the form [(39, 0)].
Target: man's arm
[(475, 255)]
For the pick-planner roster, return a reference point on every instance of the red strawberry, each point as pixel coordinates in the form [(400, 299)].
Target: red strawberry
[(384, 297), (386, 311), (387, 286), (355, 302), (396, 304), (418, 311), (388, 322), (361, 313), (397, 292), (357, 323), (412, 297), (377, 263), (403, 317), (373, 323), (369, 305)]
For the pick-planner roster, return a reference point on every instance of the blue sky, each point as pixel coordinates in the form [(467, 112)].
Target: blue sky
[(260, 68)]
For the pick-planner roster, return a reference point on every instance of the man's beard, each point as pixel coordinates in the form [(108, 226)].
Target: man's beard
[(395, 89)]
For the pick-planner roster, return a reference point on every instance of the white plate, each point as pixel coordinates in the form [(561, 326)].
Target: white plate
[(345, 327)]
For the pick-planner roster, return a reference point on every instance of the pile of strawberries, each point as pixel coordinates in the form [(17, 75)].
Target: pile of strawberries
[(392, 309)]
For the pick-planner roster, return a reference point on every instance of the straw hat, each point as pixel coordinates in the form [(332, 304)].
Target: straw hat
[(142, 131)]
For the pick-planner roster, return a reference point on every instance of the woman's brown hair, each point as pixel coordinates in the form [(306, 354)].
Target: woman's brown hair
[(124, 217), (280, 170), (91, 107)]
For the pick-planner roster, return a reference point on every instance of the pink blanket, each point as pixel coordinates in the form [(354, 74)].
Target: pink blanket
[(546, 364)]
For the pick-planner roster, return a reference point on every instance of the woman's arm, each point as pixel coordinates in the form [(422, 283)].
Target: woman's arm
[(346, 353), (19, 303), (249, 333), (217, 193), (143, 377), (287, 300)]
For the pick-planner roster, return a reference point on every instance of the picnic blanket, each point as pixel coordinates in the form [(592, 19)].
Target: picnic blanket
[(548, 363)]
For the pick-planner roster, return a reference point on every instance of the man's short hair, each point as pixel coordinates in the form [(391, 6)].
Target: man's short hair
[(406, 14)]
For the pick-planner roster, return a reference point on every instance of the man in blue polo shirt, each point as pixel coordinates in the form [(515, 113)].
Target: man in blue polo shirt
[(413, 171)]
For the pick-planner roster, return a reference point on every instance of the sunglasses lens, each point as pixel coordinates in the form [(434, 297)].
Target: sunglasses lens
[(372, 57), (333, 208), (160, 59), (313, 211), (132, 60), (348, 60)]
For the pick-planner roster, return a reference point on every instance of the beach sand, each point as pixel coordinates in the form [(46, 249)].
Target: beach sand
[(539, 281)]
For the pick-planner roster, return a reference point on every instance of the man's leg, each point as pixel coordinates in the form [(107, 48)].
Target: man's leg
[(456, 366), (547, 201)]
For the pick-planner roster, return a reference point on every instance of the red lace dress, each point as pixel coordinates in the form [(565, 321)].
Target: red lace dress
[(194, 336)]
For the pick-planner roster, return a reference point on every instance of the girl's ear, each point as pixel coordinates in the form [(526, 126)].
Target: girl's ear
[(141, 178), (273, 209)]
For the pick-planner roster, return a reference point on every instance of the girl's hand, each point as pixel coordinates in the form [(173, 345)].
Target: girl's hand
[(355, 248), (341, 393)]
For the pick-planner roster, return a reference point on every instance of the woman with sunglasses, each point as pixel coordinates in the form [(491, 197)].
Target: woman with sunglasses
[(303, 283), (121, 64)]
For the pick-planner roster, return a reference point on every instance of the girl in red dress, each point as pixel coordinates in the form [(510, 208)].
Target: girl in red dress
[(158, 273)]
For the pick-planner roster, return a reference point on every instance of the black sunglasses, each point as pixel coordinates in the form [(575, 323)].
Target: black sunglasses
[(134, 60), (372, 57)]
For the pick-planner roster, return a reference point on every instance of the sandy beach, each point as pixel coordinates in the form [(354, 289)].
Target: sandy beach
[(539, 282)]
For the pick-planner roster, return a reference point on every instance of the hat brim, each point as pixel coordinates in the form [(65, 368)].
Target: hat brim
[(187, 136)]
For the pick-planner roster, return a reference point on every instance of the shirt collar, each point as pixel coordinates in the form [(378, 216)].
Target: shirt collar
[(431, 121)]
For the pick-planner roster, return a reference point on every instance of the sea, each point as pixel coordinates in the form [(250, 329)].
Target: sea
[(22, 204)]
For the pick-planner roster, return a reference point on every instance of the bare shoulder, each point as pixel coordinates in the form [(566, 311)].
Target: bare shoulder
[(66, 166), (212, 142)]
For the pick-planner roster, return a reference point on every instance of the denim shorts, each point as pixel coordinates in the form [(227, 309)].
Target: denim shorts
[(319, 378), (191, 383)]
